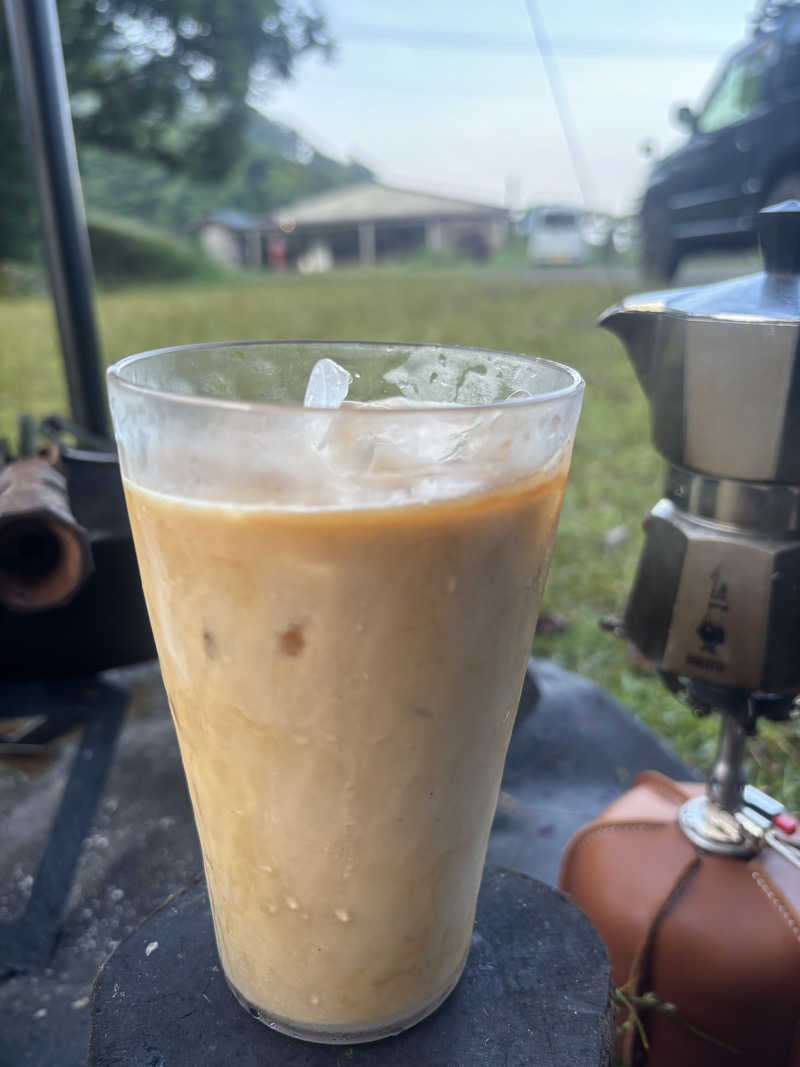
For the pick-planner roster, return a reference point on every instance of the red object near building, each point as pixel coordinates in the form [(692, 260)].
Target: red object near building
[(276, 251)]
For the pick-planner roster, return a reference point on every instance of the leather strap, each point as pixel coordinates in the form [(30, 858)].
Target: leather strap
[(640, 981)]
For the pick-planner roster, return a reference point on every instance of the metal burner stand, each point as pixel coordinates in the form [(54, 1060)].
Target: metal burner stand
[(99, 707)]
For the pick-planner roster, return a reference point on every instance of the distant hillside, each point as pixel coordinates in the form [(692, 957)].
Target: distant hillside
[(277, 166)]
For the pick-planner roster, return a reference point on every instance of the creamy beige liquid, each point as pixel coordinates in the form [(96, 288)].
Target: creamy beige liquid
[(344, 685)]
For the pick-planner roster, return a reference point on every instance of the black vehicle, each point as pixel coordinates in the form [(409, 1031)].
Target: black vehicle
[(743, 152)]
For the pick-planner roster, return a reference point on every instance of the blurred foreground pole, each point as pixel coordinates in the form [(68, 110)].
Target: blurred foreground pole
[(44, 105)]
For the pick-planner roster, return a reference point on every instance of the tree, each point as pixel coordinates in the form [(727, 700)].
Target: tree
[(170, 79), (166, 80)]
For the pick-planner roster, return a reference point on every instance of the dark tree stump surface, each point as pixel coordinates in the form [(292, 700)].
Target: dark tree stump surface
[(535, 993)]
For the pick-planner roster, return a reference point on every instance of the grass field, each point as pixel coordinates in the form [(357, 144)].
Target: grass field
[(615, 475)]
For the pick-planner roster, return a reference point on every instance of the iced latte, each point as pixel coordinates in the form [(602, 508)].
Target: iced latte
[(343, 613)]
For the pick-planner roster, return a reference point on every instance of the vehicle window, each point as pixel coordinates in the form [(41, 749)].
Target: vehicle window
[(559, 220), (738, 92), (790, 63)]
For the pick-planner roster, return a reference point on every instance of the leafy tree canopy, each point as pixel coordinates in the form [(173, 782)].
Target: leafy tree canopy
[(171, 80), (168, 81)]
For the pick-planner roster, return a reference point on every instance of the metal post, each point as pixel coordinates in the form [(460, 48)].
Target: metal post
[(727, 779), (366, 242), (44, 104), (253, 248)]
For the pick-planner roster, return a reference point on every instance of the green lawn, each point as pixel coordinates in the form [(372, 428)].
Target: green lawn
[(615, 473)]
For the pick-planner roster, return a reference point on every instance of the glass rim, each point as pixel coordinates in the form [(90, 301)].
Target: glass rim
[(115, 374)]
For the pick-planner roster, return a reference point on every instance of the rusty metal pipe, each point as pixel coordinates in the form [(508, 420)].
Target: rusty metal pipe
[(45, 556)]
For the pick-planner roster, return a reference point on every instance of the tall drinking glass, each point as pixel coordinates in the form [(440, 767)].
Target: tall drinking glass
[(343, 601)]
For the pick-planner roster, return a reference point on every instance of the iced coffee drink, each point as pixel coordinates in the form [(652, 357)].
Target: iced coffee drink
[(343, 601)]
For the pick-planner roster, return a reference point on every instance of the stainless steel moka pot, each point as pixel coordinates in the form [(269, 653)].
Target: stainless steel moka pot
[(716, 599)]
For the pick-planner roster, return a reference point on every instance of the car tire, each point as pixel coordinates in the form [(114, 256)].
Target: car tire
[(786, 188), (660, 255)]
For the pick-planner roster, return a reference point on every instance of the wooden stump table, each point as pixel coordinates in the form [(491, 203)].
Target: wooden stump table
[(535, 993)]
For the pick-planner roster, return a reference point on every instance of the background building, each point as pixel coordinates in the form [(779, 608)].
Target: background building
[(369, 221), (236, 238)]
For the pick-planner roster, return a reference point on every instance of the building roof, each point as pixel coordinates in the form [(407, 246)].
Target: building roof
[(235, 220), (370, 201)]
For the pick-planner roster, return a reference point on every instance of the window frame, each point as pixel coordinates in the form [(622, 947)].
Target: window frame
[(767, 47)]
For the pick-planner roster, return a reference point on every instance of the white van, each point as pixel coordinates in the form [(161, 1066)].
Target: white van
[(556, 236)]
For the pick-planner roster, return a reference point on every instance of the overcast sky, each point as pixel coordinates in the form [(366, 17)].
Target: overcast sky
[(451, 95)]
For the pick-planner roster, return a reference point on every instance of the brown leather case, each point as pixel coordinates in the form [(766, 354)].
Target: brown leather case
[(717, 937)]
